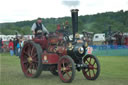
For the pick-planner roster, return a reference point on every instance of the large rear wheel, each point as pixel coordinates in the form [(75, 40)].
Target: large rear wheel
[(66, 69), (31, 59), (93, 67)]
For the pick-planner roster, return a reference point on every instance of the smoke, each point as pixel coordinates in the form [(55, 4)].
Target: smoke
[(71, 3)]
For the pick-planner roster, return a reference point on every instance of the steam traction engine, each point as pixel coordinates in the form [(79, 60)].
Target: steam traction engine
[(59, 55)]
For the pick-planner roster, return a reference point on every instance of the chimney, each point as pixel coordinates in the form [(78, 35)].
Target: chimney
[(74, 14)]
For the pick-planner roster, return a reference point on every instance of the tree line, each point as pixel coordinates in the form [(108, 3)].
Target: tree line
[(97, 23)]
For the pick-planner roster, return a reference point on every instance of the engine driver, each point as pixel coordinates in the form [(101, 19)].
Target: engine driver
[(38, 28)]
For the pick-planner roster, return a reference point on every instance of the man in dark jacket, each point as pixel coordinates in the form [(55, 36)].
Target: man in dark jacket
[(14, 42), (38, 28)]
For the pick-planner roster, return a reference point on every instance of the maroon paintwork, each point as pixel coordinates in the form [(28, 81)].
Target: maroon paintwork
[(50, 58), (42, 41), (52, 49)]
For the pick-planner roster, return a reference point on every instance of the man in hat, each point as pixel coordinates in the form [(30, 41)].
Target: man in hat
[(38, 28)]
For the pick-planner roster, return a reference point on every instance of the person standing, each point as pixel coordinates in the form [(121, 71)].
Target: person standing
[(11, 47), (18, 48), (22, 43), (14, 42), (1, 45), (38, 28), (17, 41)]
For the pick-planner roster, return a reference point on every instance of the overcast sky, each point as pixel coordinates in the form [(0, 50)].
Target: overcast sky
[(19, 10)]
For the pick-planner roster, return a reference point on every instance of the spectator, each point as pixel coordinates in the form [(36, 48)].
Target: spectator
[(11, 47), (17, 41), (1, 44), (22, 43), (14, 43), (18, 48)]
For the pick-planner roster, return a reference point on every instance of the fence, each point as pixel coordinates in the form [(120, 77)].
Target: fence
[(110, 50)]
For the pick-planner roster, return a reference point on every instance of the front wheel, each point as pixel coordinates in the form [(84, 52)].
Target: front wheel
[(93, 67), (66, 69)]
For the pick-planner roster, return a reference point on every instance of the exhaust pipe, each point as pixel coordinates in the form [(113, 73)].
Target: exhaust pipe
[(74, 14)]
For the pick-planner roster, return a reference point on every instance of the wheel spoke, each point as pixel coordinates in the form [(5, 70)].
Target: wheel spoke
[(32, 51), (63, 63), (63, 72), (93, 73), (31, 67), (90, 59), (68, 74), (89, 73), (95, 68), (25, 61), (28, 70), (34, 55), (87, 70), (26, 65), (29, 51), (36, 65), (33, 60), (68, 68), (94, 63), (26, 53)]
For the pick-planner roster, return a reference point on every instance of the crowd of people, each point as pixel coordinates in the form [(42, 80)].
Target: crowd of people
[(15, 46)]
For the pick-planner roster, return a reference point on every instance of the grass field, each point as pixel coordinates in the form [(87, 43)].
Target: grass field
[(114, 71)]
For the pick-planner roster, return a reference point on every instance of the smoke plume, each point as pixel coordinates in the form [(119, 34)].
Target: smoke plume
[(71, 3)]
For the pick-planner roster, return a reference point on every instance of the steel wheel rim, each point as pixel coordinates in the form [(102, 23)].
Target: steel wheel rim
[(92, 69), (29, 60), (65, 69)]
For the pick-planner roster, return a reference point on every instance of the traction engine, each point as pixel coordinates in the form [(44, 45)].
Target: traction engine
[(59, 55)]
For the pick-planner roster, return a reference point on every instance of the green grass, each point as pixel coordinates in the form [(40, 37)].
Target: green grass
[(114, 71)]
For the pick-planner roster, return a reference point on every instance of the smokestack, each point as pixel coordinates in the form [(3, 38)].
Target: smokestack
[(74, 14)]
